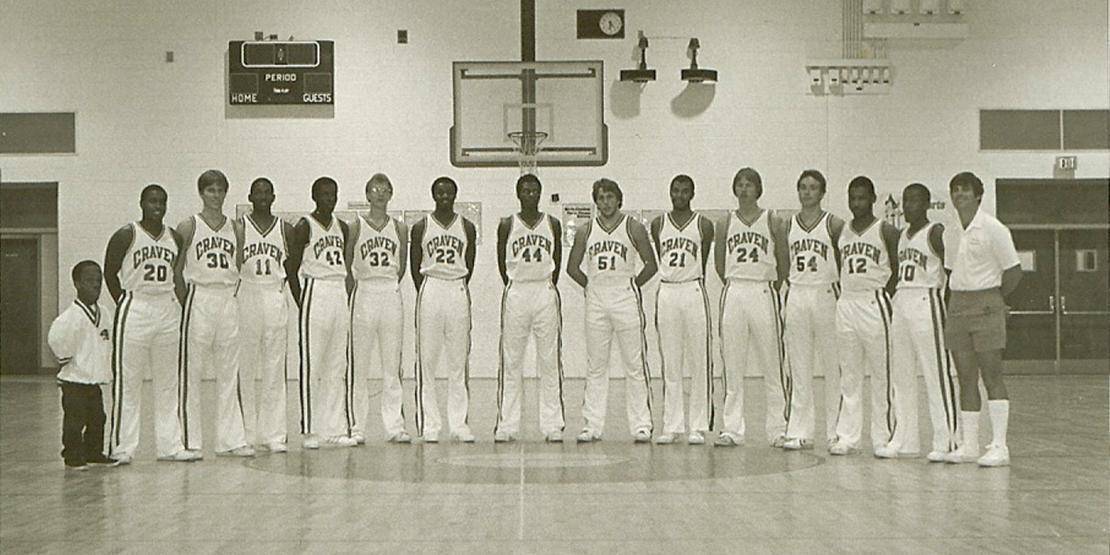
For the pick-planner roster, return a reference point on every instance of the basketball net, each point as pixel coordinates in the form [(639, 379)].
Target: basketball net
[(528, 144)]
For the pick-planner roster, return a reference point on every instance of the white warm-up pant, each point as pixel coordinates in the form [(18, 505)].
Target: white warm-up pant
[(810, 345), (263, 315), (682, 323), (863, 343), (530, 308), (616, 310), (918, 346), (442, 337), (752, 330), (210, 339), (145, 335), (377, 322), (325, 392)]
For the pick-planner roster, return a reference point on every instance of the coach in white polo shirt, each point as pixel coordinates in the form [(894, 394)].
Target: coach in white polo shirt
[(985, 269)]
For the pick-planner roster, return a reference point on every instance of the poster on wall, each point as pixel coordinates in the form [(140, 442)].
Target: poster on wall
[(575, 216)]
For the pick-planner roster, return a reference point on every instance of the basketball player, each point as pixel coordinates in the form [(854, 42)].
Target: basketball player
[(263, 314), (529, 253), (614, 307), (316, 256), (139, 270), (751, 260), (811, 312), (683, 239), (442, 257), (210, 320), (985, 269), (863, 320), (377, 254), (917, 334)]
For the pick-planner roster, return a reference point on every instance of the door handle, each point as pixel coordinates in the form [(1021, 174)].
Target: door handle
[(1063, 303), (1052, 303)]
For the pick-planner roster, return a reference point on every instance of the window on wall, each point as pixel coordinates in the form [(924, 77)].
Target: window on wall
[(1044, 129)]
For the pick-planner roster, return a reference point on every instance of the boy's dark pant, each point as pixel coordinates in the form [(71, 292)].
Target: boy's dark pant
[(82, 422)]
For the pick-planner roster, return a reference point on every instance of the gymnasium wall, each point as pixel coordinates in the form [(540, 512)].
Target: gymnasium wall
[(142, 120)]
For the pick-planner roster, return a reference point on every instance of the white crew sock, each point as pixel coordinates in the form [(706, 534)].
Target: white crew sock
[(1000, 419), (970, 421)]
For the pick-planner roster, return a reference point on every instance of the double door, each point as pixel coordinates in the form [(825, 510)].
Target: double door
[(1060, 312)]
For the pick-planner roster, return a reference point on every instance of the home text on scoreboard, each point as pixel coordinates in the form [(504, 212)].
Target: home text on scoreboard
[(281, 72)]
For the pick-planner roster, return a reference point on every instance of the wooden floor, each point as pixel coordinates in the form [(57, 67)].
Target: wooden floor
[(528, 496)]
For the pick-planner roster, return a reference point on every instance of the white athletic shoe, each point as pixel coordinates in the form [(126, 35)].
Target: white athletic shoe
[(465, 436), (586, 436), (431, 438), (996, 456), (359, 438), (695, 438), (197, 454), (936, 456), (840, 449), (503, 437), (641, 436), (340, 441), (666, 439), (892, 451), (277, 447), (554, 437), (965, 453), (797, 444), (725, 439), (311, 442), (122, 459), (779, 441), (180, 456), (400, 437), (241, 451)]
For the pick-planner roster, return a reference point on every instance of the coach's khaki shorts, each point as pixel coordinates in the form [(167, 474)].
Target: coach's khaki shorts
[(976, 321)]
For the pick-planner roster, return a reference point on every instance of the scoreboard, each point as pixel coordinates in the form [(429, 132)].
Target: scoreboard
[(281, 72)]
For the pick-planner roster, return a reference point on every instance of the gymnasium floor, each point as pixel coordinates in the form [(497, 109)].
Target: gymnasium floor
[(601, 498)]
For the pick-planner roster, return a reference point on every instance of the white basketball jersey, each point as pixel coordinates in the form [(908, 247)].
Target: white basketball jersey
[(680, 250), (812, 260), (148, 265), (264, 252), (750, 249), (864, 261), (610, 254), (323, 256), (210, 256), (530, 251), (377, 251), (444, 249), (918, 265)]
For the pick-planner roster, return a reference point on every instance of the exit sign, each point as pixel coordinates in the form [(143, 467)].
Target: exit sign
[(1066, 162)]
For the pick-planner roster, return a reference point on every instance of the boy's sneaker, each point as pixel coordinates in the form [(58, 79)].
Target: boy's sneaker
[(503, 437), (340, 441), (666, 439), (122, 459), (400, 437), (725, 439), (554, 437), (277, 447), (180, 456), (76, 466), (996, 456), (311, 442), (465, 436), (430, 438), (797, 444), (779, 441), (100, 460), (641, 436), (359, 438), (840, 449), (965, 453), (586, 436), (197, 455), (241, 451), (936, 456), (695, 438)]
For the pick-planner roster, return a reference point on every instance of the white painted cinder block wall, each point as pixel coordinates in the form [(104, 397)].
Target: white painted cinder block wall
[(141, 120)]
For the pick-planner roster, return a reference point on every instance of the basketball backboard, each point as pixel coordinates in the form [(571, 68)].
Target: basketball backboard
[(497, 102)]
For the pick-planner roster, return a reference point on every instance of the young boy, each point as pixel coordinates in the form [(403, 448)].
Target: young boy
[(80, 340)]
